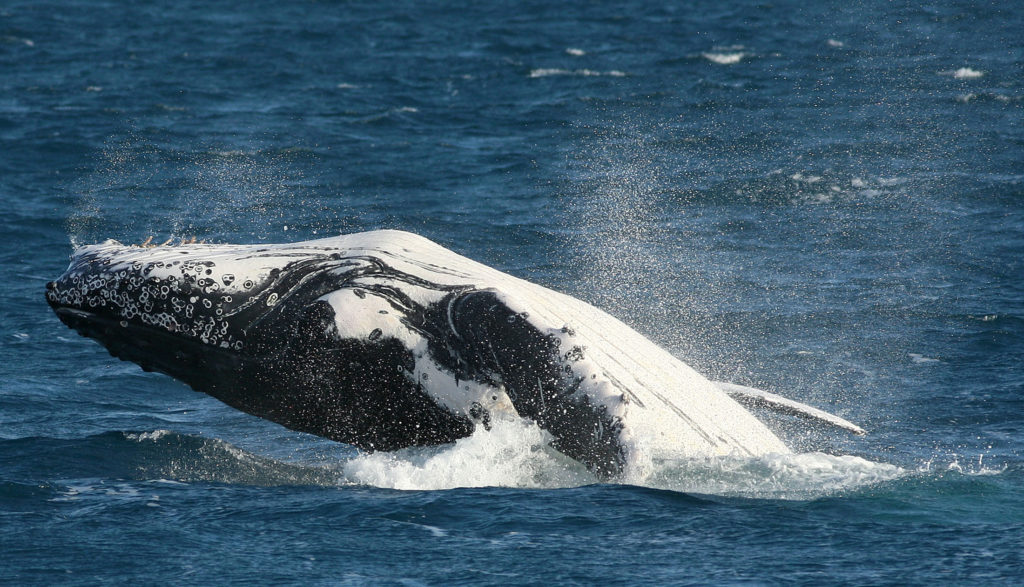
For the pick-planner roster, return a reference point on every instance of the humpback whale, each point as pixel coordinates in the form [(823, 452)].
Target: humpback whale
[(386, 340)]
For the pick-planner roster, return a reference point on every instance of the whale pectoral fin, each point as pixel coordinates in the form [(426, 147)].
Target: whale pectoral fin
[(752, 397), (504, 345)]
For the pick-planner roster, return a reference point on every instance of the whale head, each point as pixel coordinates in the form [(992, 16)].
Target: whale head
[(142, 302), (252, 326)]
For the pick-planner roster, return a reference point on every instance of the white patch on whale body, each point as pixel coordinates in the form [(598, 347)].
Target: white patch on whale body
[(370, 317)]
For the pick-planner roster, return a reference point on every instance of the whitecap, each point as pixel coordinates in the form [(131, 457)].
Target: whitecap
[(150, 436), (13, 39), (548, 72), (918, 358), (835, 43), (724, 58), (575, 52), (805, 178), (967, 73)]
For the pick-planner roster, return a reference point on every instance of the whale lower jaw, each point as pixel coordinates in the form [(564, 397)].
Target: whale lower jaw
[(198, 365)]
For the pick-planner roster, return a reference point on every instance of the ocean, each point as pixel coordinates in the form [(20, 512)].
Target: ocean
[(822, 200)]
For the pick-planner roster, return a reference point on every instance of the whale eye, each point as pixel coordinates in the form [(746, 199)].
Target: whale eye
[(375, 334)]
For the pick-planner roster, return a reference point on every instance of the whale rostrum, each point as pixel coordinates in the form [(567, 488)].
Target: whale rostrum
[(386, 340)]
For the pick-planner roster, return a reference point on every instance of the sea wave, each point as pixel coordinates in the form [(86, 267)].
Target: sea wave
[(549, 72)]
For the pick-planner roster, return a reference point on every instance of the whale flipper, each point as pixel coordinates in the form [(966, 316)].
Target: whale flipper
[(753, 397)]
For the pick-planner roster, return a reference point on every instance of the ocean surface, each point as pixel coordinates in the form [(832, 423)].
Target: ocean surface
[(820, 199)]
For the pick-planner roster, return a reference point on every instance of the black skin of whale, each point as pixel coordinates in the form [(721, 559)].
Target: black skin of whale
[(294, 370)]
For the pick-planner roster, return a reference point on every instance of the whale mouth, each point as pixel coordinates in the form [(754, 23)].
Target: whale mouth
[(151, 348)]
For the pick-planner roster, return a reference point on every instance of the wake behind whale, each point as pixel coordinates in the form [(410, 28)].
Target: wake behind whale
[(386, 340)]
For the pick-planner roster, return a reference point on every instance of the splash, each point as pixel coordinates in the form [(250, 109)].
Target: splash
[(802, 476), (514, 453), (209, 191)]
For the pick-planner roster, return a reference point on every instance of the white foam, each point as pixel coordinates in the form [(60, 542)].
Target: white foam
[(724, 58), (514, 453), (967, 73), (785, 476), (549, 72), (23, 41), (917, 358), (150, 436), (805, 178)]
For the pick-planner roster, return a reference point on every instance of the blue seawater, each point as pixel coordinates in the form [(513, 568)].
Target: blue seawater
[(821, 199)]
